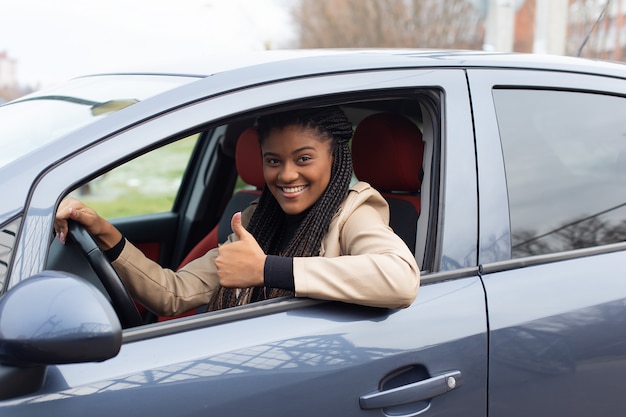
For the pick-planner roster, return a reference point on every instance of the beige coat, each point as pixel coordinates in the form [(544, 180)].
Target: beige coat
[(362, 261)]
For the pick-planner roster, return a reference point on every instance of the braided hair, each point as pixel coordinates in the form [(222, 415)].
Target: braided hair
[(268, 223)]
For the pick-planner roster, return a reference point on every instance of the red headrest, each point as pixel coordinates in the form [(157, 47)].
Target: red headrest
[(387, 152), (248, 158)]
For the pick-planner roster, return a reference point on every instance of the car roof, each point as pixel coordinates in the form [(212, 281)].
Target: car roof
[(373, 58)]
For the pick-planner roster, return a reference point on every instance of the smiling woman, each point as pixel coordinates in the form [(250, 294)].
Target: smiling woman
[(307, 168)]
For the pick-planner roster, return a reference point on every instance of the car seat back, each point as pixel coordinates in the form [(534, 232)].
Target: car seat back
[(387, 152)]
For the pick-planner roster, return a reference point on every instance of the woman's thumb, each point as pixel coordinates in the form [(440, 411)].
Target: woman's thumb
[(238, 229)]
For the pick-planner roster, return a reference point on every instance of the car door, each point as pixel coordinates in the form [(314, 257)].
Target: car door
[(552, 252), (295, 357)]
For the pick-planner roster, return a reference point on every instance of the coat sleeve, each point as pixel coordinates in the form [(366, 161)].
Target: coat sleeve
[(375, 268), (162, 290)]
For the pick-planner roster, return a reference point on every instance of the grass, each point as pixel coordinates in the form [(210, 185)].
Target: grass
[(129, 206)]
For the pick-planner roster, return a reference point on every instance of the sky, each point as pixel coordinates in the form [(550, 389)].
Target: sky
[(54, 40)]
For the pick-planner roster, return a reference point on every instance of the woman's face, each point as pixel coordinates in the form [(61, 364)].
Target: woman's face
[(296, 166)]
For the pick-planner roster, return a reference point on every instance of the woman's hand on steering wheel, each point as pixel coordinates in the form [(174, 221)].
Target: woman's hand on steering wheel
[(103, 232), (93, 233)]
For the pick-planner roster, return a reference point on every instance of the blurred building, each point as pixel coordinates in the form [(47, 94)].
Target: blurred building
[(8, 71), (591, 28), (9, 85)]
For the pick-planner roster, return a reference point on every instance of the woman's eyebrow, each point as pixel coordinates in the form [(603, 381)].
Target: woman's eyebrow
[(295, 151), (304, 148)]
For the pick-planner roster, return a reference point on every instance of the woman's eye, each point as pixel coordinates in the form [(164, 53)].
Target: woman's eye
[(271, 161), (304, 158)]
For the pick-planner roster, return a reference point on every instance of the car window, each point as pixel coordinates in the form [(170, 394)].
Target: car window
[(77, 103), (565, 162), (147, 184)]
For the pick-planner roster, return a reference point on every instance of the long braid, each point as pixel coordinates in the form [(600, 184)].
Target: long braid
[(268, 222)]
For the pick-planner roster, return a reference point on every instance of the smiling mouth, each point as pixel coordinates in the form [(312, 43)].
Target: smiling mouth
[(290, 190)]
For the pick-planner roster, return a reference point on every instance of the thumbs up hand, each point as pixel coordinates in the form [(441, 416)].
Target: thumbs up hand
[(240, 263)]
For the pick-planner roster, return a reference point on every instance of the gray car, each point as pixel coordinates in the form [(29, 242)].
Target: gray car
[(518, 225)]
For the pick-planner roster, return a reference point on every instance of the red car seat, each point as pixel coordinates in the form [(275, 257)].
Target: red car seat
[(387, 152)]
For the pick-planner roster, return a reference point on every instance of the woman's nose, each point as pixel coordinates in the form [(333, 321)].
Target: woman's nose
[(288, 173)]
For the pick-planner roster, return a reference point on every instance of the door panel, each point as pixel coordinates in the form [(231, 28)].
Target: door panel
[(154, 234), (558, 338), (313, 361)]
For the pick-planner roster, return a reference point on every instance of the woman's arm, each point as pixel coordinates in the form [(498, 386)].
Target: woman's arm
[(375, 267), (163, 291)]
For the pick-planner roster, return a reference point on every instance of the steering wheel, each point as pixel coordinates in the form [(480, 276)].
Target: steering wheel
[(122, 303)]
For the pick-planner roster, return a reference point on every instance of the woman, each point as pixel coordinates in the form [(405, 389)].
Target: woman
[(309, 234)]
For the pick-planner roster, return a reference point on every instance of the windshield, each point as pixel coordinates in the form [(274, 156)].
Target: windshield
[(39, 118)]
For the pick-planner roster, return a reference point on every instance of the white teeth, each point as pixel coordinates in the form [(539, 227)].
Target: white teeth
[(293, 189)]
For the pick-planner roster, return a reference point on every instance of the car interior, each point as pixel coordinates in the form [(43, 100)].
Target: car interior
[(393, 149)]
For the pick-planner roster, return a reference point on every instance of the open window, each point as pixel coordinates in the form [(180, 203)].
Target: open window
[(175, 200)]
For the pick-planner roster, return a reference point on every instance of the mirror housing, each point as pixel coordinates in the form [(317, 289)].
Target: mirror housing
[(57, 318)]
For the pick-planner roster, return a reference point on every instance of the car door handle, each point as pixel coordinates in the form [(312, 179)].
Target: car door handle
[(417, 391)]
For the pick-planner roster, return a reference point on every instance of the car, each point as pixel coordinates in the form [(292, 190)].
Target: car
[(517, 221)]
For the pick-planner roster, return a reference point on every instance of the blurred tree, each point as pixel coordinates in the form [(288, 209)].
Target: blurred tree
[(597, 29), (389, 23), (583, 233)]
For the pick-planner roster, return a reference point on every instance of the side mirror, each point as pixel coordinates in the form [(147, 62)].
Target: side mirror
[(57, 318), (48, 319)]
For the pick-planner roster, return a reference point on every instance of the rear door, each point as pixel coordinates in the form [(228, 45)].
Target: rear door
[(552, 252), (301, 357)]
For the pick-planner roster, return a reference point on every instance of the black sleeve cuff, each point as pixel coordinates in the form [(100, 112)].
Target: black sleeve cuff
[(278, 272), (113, 253)]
